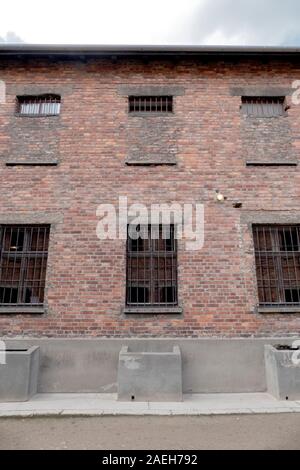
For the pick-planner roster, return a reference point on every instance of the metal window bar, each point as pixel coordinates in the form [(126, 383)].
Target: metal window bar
[(23, 260), (48, 105), (151, 275), (150, 104), (263, 107), (277, 257)]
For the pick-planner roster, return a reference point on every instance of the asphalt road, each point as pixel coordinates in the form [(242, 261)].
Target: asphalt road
[(278, 431)]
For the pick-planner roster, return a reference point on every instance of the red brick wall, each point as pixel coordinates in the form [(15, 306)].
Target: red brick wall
[(86, 277)]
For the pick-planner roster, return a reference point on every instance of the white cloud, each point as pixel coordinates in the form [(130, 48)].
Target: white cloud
[(94, 21), (252, 22), (219, 37), (234, 22)]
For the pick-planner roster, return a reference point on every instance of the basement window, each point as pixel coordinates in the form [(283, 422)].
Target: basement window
[(150, 104), (23, 262), (277, 258), (151, 266), (264, 106), (41, 105)]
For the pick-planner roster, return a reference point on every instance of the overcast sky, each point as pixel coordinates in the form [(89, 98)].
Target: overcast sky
[(236, 22)]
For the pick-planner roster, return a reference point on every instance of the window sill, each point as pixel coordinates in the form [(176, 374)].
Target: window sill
[(295, 309), (152, 310), (16, 309), (272, 163), (151, 113), (36, 115), (149, 163), (31, 163)]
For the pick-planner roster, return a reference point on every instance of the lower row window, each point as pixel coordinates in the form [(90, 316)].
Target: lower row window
[(23, 262), (151, 266), (151, 277), (277, 256)]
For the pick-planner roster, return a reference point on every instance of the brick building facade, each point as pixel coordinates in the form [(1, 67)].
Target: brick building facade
[(56, 169)]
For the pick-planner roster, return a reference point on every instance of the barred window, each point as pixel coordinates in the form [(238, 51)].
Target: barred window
[(23, 261), (152, 266), (277, 256), (264, 106), (42, 105), (150, 104)]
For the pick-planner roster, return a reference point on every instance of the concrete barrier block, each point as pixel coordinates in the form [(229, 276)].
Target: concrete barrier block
[(19, 375), (150, 375), (282, 373)]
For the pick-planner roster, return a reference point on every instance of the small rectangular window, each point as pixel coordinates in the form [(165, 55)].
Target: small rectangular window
[(23, 262), (150, 104), (152, 266), (263, 106), (42, 105), (277, 258)]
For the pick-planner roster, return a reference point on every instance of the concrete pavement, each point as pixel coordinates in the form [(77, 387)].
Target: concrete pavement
[(97, 404)]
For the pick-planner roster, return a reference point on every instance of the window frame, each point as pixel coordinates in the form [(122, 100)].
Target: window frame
[(138, 104), (41, 101), (281, 264), (154, 283), (261, 107), (24, 256)]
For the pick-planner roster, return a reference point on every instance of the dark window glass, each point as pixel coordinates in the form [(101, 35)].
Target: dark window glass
[(277, 259), (23, 262), (152, 266)]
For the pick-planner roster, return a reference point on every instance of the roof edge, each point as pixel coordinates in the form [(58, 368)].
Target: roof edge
[(75, 50)]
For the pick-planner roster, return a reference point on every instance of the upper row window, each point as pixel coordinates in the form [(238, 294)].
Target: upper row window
[(264, 106), (253, 106), (42, 105), (150, 104)]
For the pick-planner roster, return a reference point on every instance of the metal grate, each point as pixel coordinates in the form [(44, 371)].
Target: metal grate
[(150, 104), (23, 261), (152, 266), (46, 105), (269, 106), (277, 256)]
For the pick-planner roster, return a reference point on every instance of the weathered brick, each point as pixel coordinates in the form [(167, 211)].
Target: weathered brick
[(93, 137)]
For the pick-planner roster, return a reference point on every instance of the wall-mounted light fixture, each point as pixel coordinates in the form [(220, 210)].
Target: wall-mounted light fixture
[(220, 197)]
